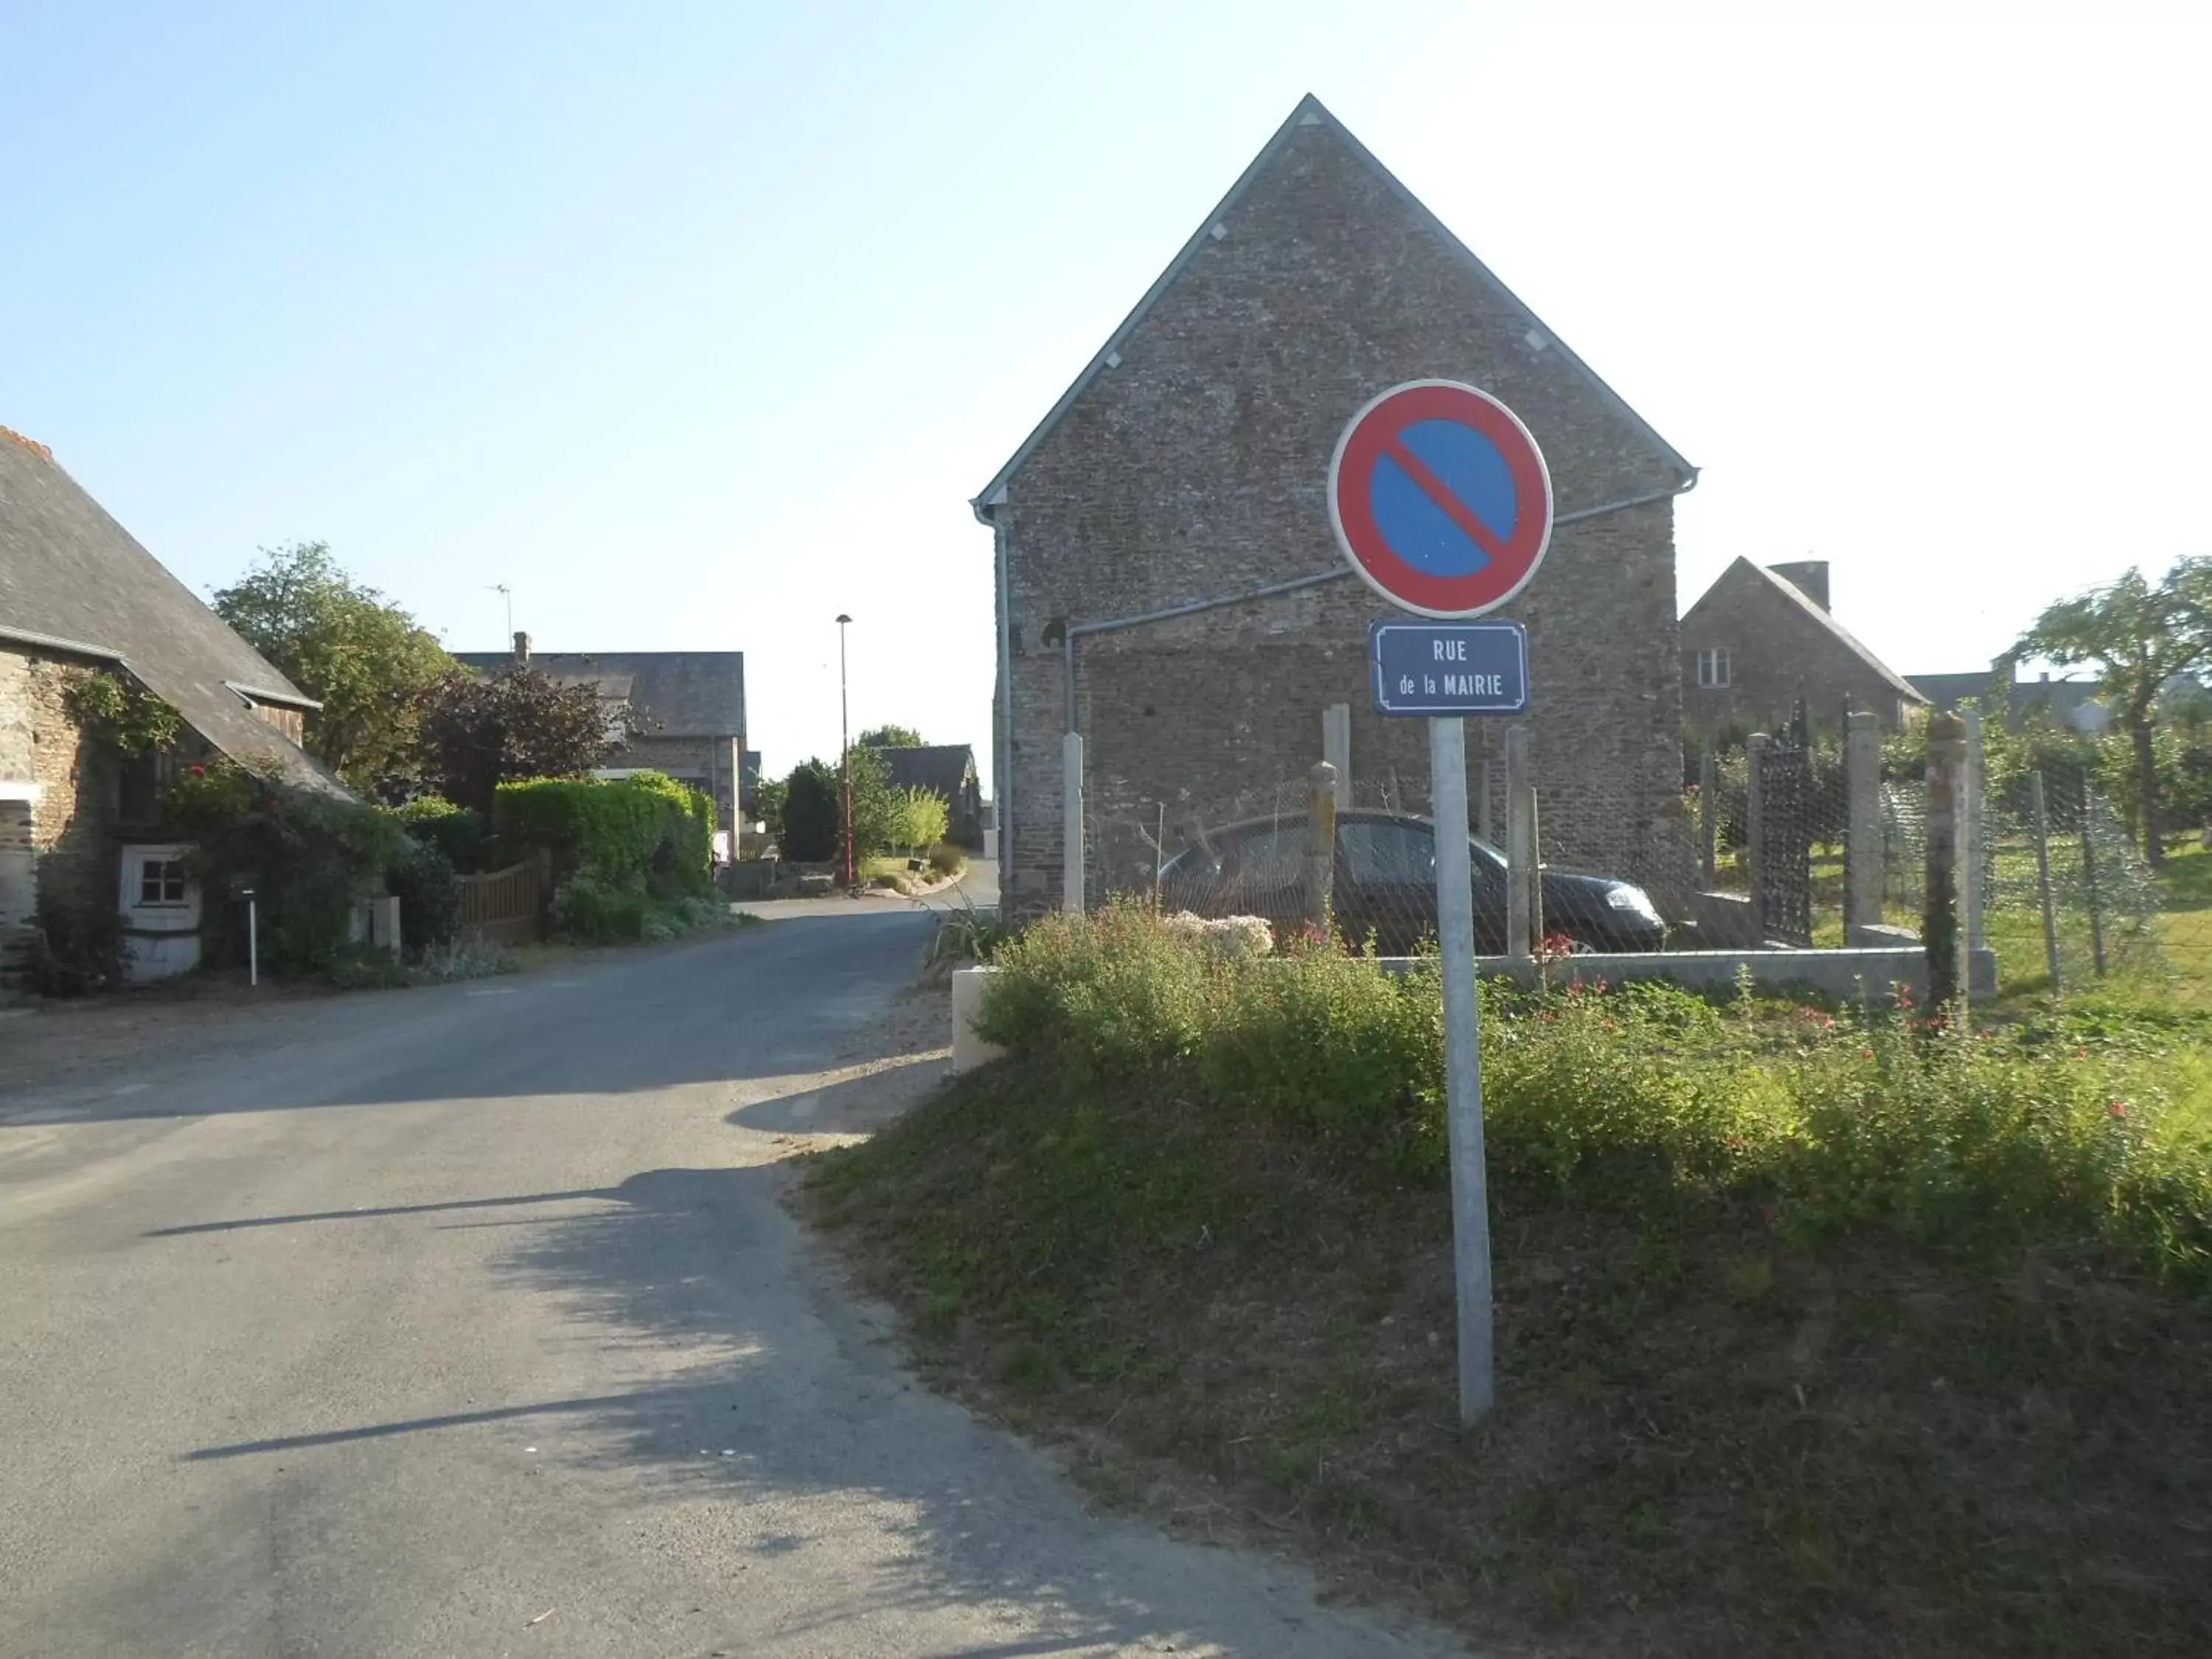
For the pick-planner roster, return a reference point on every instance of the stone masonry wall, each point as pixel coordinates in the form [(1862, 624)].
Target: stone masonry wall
[(63, 839), (1197, 468)]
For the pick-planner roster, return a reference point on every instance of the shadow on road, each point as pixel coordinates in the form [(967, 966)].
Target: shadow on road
[(796, 1419)]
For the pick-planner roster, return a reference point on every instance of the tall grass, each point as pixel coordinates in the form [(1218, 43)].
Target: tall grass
[(2053, 1132)]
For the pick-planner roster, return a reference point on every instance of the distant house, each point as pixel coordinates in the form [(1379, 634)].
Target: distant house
[(689, 707), (947, 769), (1762, 639), (78, 597), (2068, 701)]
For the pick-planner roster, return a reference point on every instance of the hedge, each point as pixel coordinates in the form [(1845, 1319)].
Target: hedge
[(646, 828)]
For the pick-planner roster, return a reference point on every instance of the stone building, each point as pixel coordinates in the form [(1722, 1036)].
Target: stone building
[(689, 709), (1169, 584), (1761, 640), (79, 596)]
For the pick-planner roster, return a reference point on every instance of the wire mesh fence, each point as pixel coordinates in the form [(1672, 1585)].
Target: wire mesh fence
[(1768, 833)]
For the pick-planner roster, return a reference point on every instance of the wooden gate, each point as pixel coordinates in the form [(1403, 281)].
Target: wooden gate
[(504, 907)]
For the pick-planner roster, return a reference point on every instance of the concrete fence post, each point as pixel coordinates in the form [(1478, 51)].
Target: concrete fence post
[(1973, 875), (1864, 876), (1336, 748), (1754, 827), (1709, 819), (1321, 843), (1942, 929), (1520, 846), (1071, 823), (1485, 816)]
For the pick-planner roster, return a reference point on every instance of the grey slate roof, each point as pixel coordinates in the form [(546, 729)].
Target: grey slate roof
[(1796, 595), (73, 580), (1310, 111), (683, 694), (943, 768)]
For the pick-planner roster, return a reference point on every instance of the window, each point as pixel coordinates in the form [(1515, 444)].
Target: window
[(1387, 854), (160, 881), (1713, 669)]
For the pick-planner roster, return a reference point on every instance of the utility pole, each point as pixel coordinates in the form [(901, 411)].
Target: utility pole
[(845, 744)]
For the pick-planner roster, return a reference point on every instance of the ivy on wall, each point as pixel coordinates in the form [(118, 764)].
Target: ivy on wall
[(120, 717)]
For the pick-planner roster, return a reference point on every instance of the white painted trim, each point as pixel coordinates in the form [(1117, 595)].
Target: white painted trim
[(18, 789)]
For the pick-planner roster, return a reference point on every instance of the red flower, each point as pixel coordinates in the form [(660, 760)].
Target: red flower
[(2119, 1108), (1866, 1054), (197, 771)]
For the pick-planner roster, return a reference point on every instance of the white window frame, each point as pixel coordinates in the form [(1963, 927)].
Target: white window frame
[(147, 863), (1716, 672)]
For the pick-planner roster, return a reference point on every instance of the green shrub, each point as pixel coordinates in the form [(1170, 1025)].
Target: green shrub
[(646, 826), (947, 860), (1111, 994), (1335, 1046), (366, 968), (2063, 1135), (313, 857), (422, 878), (463, 834), (597, 912)]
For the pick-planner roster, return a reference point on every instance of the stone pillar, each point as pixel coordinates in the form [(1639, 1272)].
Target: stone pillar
[(1865, 875), (1336, 748)]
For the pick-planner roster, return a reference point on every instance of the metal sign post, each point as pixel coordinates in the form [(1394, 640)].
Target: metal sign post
[(1442, 504)]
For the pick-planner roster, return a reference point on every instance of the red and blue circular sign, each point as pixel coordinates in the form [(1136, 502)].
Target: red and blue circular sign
[(1441, 499)]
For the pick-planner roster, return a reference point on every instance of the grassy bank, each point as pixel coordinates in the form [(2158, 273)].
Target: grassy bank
[(1817, 1334)]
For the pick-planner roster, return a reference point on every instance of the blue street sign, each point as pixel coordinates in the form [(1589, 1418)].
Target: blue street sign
[(1450, 668)]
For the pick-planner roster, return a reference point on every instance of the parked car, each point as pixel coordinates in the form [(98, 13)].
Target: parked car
[(1385, 885)]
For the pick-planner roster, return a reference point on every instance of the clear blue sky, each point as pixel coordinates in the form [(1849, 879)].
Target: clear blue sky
[(699, 324)]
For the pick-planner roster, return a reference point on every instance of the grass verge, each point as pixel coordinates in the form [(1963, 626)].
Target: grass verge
[(1812, 1339)]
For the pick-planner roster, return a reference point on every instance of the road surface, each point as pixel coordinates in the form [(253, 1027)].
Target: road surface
[(466, 1322)]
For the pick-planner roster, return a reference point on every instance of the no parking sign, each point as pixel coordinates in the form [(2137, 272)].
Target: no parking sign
[(1441, 499), (1443, 503)]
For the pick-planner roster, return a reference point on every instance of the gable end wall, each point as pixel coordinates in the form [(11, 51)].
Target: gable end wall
[(1196, 468)]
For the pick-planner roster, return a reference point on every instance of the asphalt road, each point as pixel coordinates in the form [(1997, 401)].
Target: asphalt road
[(467, 1321)]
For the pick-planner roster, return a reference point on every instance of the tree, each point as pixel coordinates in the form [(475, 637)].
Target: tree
[(879, 810), (367, 662), (2138, 635), (890, 737), (925, 818), (813, 813), (479, 731)]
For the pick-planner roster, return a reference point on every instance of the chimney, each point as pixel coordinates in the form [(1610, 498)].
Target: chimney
[(1808, 576), (521, 649)]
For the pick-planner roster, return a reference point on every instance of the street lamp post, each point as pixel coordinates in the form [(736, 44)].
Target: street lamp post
[(845, 744)]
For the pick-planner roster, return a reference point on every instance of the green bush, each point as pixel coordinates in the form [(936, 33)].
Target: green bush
[(313, 857), (1113, 994), (423, 880), (596, 912), (2057, 1134), (463, 834), (645, 827)]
